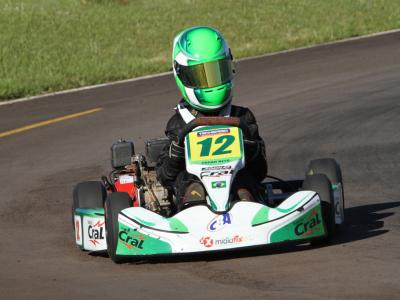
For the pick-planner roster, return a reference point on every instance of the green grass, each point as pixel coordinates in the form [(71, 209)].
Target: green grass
[(50, 45)]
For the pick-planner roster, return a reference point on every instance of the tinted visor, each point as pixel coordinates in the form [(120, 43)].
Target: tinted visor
[(206, 75)]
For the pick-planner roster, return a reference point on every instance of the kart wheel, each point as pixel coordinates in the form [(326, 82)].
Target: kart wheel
[(115, 202), (88, 194), (327, 166), (331, 168), (320, 183)]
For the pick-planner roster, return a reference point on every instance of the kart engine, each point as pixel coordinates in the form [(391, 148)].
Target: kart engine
[(149, 192), (152, 195)]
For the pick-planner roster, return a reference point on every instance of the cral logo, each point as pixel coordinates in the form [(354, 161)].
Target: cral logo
[(309, 226), (96, 232), (131, 241)]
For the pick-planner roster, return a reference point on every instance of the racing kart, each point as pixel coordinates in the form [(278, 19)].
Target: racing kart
[(130, 214)]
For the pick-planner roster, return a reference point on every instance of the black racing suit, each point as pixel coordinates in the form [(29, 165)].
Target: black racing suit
[(171, 170)]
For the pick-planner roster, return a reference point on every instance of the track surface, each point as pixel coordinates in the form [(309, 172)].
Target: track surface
[(341, 100)]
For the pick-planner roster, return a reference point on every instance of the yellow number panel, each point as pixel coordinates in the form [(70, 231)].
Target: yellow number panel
[(214, 146)]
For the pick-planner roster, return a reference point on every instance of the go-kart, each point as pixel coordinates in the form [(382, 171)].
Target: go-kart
[(130, 214)]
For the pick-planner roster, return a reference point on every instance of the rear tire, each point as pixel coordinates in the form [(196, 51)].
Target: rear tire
[(115, 202), (321, 184)]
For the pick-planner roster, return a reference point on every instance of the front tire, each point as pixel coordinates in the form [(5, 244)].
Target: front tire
[(331, 168), (321, 184), (115, 203)]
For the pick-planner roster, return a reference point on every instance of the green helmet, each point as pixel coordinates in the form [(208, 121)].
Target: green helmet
[(202, 64)]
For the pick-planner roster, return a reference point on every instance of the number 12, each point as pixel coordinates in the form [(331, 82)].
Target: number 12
[(225, 140)]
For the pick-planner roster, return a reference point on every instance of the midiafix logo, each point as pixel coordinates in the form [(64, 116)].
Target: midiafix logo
[(219, 222), (210, 242), (96, 232)]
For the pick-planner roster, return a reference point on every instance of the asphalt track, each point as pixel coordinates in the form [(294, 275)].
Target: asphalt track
[(341, 100)]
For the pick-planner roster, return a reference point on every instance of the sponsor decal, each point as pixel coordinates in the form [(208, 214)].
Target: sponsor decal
[(207, 241), (131, 240), (95, 232), (213, 132), (216, 168), (218, 184), (210, 242), (215, 173), (219, 222), (125, 179), (230, 240), (309, 226), (77, 229)]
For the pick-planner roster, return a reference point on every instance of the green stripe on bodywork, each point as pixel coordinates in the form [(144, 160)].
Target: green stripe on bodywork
[(288, 210), (187, 145), (177, 225), (90, 212), (147, 223), (213, 205), (261, 216), (132, 242), (174, 224), (307, 226)]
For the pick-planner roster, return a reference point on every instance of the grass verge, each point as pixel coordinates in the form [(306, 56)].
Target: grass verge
[(50, 45)]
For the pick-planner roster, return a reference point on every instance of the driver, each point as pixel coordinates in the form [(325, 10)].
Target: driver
[(203, 70)]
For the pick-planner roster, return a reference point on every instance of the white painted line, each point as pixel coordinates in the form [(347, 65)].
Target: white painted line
[(168, 73), (322, 45), (89, 87)]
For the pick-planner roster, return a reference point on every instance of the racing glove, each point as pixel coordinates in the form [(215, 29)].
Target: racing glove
[(252, 149), (176, 152)]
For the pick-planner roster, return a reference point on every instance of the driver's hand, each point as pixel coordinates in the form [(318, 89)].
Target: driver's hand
[(176, 151)]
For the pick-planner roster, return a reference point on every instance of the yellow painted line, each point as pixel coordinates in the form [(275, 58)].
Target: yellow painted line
[(48, 122)]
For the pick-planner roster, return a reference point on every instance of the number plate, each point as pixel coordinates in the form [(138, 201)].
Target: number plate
[(211, 145)]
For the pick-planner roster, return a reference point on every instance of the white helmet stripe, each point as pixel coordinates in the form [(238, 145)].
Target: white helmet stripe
[(181, 59), (192, 96)]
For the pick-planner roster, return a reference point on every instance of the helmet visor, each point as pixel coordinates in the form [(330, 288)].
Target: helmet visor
[(205, 75)]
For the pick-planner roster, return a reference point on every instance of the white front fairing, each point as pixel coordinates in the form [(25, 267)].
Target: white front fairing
[(197, 228), (216, 172)]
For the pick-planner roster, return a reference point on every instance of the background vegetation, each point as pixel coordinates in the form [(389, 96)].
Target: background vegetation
[(49, 45)]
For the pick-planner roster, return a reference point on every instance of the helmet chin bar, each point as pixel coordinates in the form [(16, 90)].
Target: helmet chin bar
[(192, 100)]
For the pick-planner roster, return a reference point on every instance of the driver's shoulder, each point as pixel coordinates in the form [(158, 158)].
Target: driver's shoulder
[(243, 113), (174, 124)]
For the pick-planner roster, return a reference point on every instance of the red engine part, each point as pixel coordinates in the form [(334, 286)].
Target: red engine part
[(125, 184)]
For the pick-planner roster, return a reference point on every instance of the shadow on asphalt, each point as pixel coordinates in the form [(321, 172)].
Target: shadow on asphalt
[(362, 222)]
